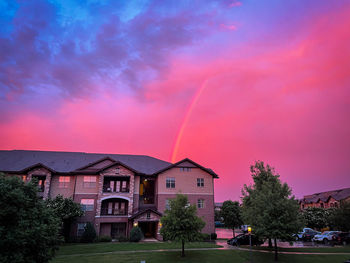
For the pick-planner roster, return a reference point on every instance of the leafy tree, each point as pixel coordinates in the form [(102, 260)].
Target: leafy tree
[(66, 210), (340, 219), (29, 232), (89, 234), (181, 223), (317, 218), (268, 205), (136, 234), (217, 215), (231, 214)]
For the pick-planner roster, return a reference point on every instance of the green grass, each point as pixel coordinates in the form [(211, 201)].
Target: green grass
[(70, 249), (337, 249), (217, 256)]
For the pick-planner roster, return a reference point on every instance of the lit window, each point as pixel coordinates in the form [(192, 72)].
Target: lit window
[(200, 203), (80, 229), (24, 178), (185, 169), (170, 182), (63, 181), (87, 204), (89, 181), (200, 182)]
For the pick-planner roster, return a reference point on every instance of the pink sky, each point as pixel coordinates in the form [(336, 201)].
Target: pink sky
[(243, 85)]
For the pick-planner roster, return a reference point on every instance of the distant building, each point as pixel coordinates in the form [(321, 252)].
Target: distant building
[(116, 191), (218, 206), (327, 199)]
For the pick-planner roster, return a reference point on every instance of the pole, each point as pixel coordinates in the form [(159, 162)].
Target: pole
[(250, 244)]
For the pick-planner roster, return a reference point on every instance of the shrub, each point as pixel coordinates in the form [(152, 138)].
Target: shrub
[(213, 236), (105, 239), (205, 237), (136, 234), (123, 239), (89, 234)]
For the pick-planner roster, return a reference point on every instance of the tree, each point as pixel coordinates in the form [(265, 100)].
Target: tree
[(231, 214), (316, 217), (268, 205), (29, 232), (66, 210), (181, 223), (340, 219)]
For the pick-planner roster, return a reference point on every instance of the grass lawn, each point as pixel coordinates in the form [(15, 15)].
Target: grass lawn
[(70, 249), (337, 249), (216, 256)]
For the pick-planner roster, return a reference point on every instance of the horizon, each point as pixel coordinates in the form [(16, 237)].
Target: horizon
[(224, 83)]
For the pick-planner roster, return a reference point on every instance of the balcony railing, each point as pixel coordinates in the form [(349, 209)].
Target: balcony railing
[(113, 212), (108, 189)]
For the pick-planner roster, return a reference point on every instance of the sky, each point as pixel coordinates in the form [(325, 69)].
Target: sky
[(224, 83)]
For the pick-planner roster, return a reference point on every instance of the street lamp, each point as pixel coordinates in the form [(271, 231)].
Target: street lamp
[(250, 242)]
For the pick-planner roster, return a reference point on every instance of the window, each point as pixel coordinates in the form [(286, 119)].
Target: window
[(185, 169), (167, 204), (170, 182), (148, 215), (24, 178), (114, 208), (124, 186), (87, 204), (41, 182), (63, 181), (200, 203), (80, 229), (200, 182), (89, 181)]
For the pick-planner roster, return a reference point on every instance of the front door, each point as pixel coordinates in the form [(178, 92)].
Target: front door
[(148, 229)]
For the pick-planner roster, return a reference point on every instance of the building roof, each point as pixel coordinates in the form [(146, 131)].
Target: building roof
[(338, 195), (64, 162), (193, 164)]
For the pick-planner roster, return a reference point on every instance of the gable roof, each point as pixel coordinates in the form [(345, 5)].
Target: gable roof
[(209, 171), (65, 162), (338, 195), (145, 211)]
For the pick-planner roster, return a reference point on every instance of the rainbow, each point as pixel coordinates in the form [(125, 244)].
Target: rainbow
[(186, 119)]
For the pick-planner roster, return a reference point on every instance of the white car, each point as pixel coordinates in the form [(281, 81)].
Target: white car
[(325, 237)]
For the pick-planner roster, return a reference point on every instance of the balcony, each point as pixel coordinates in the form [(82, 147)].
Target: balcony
[(114, 207), (116, 184)]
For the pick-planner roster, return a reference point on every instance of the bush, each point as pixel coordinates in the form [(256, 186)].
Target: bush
[(123, 239), (205, 237), (136, 234), (105, 239), (213, 236), (89, 234)]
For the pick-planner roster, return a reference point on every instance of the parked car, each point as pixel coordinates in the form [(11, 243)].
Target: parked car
[(309, 234), (325, 237), (219, 224), (306, 230), (243, 239), (341, 238)]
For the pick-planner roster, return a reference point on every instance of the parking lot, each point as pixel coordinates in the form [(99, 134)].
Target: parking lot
[(225, 233)]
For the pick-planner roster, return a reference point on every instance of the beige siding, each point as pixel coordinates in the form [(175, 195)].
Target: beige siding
[(80, 189), (185, 182)]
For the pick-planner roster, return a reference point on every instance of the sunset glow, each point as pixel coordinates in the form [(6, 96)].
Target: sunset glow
[(223, 83)]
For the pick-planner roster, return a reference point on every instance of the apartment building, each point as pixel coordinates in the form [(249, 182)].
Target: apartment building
[(329, 199), (116, 191)]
